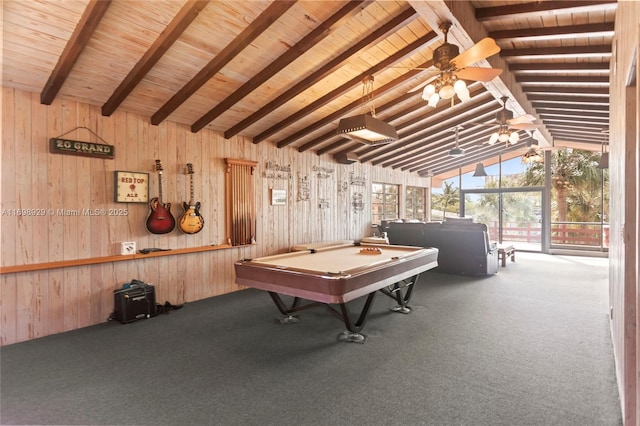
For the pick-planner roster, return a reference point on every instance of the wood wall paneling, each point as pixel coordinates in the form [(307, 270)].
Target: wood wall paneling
[(41, 302)]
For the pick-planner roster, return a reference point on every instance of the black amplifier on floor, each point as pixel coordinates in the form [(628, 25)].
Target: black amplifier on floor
[(134, 301)]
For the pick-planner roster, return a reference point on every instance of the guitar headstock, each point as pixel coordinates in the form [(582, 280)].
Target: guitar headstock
[(158, 167), (189, 168)]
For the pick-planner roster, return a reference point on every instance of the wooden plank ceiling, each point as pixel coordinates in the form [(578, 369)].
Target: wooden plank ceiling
[(285, 72)]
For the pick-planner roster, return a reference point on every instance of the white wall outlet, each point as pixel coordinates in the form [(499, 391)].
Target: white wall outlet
[(128, 247)]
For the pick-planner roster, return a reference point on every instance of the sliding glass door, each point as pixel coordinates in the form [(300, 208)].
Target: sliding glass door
[(513, 215)]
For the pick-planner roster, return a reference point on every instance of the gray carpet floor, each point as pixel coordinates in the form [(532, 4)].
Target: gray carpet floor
[(528, 346)]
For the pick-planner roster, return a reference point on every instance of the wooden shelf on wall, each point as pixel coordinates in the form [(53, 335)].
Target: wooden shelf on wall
[(106, 259)]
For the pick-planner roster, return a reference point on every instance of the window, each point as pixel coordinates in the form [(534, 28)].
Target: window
[(415, 203), (384, 201)]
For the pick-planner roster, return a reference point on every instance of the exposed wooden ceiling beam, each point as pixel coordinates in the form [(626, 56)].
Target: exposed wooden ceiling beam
[(572, 107), (390, 60), (406, 148), (441, 147), (568, 79), (559, 51), (560, 66), (466, 30), (171, 33), (555, 33), (322, 31), (88, 23), (538, 8), (568, 99), (246, 37), (589, 115), (442, 112), (567, 89), (398, 21)]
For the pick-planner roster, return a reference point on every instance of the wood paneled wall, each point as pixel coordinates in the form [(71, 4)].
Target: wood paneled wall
[(45, 186), (624, 164)]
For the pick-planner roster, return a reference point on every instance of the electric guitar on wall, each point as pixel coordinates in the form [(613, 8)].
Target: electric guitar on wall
[(160, 220), (191, 222)]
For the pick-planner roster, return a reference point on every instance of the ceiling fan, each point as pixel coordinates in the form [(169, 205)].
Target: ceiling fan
[(508, 126), (453, 68)]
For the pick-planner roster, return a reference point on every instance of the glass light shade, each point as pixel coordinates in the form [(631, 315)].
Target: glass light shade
[(433, 100), (428, 92), (503, 137), (494, 138), (464, 94), (514, 137), (447, 92)]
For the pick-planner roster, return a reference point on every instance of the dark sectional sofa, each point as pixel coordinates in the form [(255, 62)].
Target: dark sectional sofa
[(464, 247)]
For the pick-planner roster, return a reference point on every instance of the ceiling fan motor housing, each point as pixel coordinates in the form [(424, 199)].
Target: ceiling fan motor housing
[(503, 115), (443, 55)]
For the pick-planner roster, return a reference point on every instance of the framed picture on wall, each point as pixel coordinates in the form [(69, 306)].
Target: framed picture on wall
[(278, 197)]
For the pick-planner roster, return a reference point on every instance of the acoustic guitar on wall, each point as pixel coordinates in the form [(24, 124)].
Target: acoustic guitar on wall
[(160, 220), (191, 222)]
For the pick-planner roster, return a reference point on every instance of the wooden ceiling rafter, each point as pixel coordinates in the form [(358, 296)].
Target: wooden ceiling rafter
[(346, 87), (322, 31), (560, 66), (525, 80), (318, 140), (439, 112), (88, 23), (555, 33), (252, 31), (408, 146), (535, 9), (189, 11), (444, 162), (439, 148), (599, 50), (380, 33), (576, 107)]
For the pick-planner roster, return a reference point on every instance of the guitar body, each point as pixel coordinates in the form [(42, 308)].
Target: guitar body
[(160, 220), (191, 222)]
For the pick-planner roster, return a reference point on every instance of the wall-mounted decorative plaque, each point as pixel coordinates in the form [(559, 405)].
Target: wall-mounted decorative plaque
[(131, 187)]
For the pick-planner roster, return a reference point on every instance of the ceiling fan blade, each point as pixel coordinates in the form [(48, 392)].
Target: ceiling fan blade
[(424, 83), (524, 126), (479, 51), (478, 74), (526, 118)]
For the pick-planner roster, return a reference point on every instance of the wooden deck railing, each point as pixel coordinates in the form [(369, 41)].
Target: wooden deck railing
[(573, 234)]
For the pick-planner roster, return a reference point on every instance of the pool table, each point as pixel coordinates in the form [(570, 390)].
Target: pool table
[(338, 275)]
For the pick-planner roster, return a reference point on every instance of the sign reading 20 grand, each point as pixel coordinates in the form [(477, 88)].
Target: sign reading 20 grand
[(88, 149)]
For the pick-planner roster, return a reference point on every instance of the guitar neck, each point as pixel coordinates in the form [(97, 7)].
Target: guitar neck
[(191, 199), (160, 187)]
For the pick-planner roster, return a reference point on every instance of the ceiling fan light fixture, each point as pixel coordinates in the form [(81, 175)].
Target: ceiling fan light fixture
[(532, 156), (366, 128), (433, 100), (503, 137), (447, 91), (494, 138), (514, 137)]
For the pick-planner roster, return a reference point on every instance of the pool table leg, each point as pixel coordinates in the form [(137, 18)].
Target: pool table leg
[(396, 292)]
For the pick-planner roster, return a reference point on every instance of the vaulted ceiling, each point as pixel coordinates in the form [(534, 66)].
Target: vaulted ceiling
[(285, 72)]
